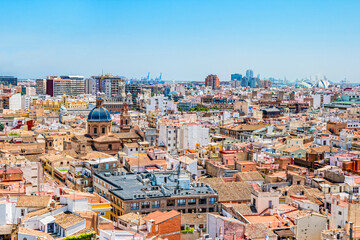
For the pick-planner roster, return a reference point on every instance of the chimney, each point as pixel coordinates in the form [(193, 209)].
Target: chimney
[(151, 226), (95, 223), (351, 230)]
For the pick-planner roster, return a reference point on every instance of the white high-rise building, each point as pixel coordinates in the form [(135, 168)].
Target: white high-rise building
[(185, 136), (15, 102), (163, 104)]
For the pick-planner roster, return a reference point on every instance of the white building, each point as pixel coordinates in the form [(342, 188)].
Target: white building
[(186, 136), (163, 104), (119, 235), (30, 91), (131, 148), (309, 225), (320, 99), (192, 134), (107, 87), (90, 86), (15, 101), (188, 164), (7, 211)]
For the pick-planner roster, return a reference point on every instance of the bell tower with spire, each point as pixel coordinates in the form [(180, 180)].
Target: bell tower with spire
[(125, 120)]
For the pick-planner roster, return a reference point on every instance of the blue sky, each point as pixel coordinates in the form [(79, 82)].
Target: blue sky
[(185, 40)]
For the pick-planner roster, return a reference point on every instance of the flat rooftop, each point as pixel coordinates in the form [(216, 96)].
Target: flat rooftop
[(139, 186)]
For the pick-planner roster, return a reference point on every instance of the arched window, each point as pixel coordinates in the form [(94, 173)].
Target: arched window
[(103, 130), (95, 130)]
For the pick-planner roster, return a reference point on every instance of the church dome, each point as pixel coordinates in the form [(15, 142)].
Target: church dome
[(99, 114)]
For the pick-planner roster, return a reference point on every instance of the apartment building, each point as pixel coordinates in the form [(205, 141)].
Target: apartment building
[(183, 136), (160, 190), (40, 86), (160, 103)]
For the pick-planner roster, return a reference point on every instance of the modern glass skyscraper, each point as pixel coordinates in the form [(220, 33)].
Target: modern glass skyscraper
[(236, 76), (249, 74)]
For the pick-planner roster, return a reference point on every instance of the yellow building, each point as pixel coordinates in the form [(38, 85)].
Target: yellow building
[(53, 161), (54, 106), (214, 149), (58, 138), (118, 207), (100, 206)]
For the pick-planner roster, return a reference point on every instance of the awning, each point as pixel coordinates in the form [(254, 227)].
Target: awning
[(6, 229), (285, 233), (47, 220)]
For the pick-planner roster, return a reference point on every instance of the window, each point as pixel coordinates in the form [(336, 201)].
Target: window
[(202, 201), (170, 202), (212, 200), (103, 130), (114, 165), (156, 204), (109, 147), (102, 213), (95, 130), (181, 202), (192, 201), (107, 166), (22, 212), (134, 206), (145, 205), (340, 213)]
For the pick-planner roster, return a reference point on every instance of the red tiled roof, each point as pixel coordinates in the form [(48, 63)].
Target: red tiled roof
[(160, 217), (11, 171)]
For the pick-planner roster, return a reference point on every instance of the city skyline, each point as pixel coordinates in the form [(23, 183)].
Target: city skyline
[(183, 40)]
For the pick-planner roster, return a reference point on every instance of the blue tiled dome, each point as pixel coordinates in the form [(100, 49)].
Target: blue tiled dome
[(99, 114)]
